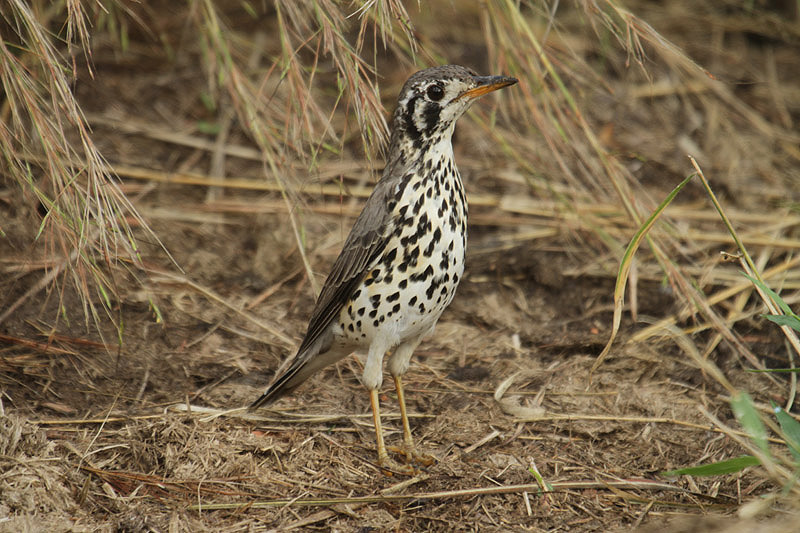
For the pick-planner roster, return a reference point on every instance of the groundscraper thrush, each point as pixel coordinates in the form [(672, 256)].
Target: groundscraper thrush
[(403, 259)]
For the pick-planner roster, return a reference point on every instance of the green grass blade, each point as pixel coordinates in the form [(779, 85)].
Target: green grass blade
[(772, 294), (785, 320), (729, 466), (791, 430), (540, 480), (156, 311), (625, 266), (746, 414)]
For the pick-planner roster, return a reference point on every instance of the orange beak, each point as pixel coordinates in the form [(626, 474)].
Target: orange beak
[(487, 84)]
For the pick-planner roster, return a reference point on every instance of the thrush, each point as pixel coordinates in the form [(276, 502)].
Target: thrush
[(403, 259)]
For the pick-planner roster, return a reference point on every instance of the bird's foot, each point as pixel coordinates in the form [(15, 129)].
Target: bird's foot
[(390, 467), (413, 456)]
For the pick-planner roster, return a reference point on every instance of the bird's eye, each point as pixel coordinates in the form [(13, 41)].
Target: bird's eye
[(435, 92)]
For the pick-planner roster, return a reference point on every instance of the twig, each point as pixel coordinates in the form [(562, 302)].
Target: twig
[(444, 495)]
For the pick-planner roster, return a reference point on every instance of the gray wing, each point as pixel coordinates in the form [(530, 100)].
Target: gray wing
[(363, 246)]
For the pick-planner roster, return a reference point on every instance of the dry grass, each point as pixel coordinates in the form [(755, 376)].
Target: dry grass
[(244, 137), (48, 150)]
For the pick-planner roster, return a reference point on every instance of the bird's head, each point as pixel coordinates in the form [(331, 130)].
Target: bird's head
[(433, 99)]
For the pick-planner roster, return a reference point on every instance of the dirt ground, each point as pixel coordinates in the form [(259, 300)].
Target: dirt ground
[(149, 437)]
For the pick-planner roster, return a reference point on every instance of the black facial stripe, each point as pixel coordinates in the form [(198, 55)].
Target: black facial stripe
[(411, 128), (431, 115)]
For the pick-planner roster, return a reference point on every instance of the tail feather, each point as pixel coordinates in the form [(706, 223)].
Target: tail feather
[(303, 366), (283, 384)]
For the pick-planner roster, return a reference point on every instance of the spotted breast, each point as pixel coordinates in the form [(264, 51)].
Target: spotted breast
[(415, 278)]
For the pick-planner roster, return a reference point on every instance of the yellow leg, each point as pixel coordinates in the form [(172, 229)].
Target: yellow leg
[(408, 440), (383, 457), (410, 449)]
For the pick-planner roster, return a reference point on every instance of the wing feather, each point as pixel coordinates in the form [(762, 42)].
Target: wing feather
[(362, 249)]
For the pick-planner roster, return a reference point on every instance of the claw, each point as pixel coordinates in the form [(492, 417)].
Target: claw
[(390, 468), (413, 456)]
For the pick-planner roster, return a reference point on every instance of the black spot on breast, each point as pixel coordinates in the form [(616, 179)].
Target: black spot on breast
[(361, 311), (396, 308), (410, 239), (351, 328), (461, 196), (413, 300), (411, 256), (403, 283), (373, 313), (445, 260), (422, 276), (376, 301), (394, 296)]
